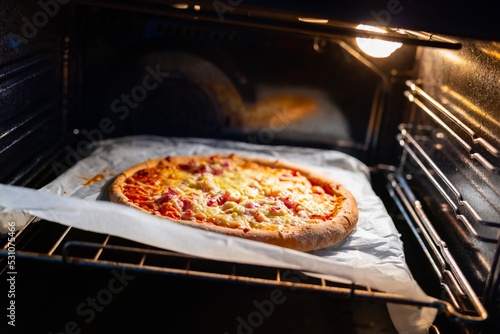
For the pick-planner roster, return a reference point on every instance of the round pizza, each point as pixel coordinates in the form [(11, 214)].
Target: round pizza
[(261, 199)]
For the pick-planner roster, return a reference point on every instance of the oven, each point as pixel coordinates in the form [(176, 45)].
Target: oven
[(78, 77)]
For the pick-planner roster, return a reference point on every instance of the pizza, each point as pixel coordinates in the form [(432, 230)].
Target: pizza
[(261, 199), (278, 110)]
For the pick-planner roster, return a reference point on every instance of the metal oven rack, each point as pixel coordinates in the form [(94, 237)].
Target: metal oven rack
[(453, 282), (434, 146), (482, 223), (98, 250)]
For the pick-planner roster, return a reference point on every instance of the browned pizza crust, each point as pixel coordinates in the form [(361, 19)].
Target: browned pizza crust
[(303, 238)]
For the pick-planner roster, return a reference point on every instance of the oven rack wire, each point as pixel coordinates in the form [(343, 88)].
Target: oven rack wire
[(453, 282), (442, 183), (477, 149), (439, 114), (107, 251)]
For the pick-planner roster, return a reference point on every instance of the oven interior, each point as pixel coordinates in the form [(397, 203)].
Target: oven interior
[(424, 120)]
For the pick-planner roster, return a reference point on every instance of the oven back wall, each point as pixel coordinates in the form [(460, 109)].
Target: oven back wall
[(145, 74)]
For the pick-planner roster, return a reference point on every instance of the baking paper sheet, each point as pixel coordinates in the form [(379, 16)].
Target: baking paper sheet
[(371, 256)]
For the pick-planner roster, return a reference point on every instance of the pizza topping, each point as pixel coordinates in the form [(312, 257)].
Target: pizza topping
[(189, 166), (259, 216), (168, 196), (211, 202), (231, 192), (250, 204), (288, 202), (260, 199)]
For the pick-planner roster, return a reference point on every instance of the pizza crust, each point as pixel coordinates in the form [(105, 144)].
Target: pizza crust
[(302, 238)]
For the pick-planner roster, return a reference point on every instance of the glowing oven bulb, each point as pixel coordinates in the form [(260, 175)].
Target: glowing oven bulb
[(375, 47)]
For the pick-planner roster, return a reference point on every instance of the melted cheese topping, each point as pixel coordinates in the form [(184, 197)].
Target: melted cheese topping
[(231, 192)]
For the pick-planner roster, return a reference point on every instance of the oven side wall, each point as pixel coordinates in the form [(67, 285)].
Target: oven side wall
[(32, 84), (452, 159)]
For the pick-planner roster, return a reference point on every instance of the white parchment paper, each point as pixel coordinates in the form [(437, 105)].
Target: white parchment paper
[(371, 256)]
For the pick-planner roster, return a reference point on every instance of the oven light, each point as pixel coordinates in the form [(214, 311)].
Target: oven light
[(376, 47)]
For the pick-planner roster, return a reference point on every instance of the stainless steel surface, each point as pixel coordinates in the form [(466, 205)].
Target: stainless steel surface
[(450, 158), (465, 83)]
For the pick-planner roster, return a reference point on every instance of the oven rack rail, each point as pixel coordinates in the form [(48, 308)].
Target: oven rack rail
[(475, 145), (444, 186), (453, 282), (465, 140), (135, 256)]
